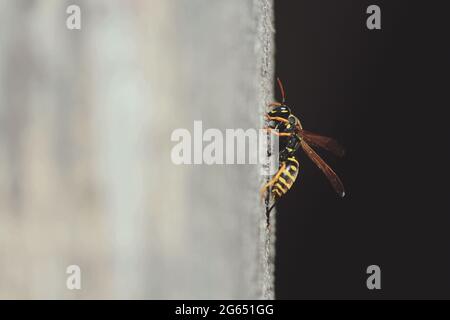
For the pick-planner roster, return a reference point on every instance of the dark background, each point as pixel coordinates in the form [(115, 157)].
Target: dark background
[(384, 95)]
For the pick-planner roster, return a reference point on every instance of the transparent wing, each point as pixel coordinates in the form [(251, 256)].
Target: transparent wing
[(329, 173), (325, 143)]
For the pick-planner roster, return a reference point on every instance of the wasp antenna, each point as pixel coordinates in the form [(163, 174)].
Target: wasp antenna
[(283, 96)]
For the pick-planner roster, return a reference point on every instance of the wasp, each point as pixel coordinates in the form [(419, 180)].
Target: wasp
[(283, 123)]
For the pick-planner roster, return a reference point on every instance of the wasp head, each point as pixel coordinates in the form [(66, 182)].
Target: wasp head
[(281, 111)]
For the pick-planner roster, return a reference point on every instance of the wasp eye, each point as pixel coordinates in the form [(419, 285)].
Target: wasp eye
[(291, 120)]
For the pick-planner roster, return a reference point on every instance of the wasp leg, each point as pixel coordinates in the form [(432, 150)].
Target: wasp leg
[(276, 119), (268, 214), (269, 184), (267, 187), (279, 134)]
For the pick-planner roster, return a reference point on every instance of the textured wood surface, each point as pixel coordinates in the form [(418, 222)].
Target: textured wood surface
[(85, 171)]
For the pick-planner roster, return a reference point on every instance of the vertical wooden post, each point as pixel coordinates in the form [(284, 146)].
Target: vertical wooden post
[(86, 176)]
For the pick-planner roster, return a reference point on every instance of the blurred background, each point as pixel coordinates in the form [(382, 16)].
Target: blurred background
[(85, 171), (382, 94)]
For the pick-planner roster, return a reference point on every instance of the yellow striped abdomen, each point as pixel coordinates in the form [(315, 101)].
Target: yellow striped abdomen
[(286, 177)]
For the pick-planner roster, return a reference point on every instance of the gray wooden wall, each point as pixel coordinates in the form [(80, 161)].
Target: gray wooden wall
[(85, 171)]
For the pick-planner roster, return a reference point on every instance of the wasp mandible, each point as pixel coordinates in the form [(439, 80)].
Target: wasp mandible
[(289, 127)]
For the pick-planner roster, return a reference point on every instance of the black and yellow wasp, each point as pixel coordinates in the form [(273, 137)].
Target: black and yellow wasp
[(289, 128)]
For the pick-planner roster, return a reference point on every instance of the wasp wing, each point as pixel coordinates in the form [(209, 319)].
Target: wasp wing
[(325, 143), (329, 173)]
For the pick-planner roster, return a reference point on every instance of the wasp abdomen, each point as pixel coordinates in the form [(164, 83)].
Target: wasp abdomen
[(286, 177)]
